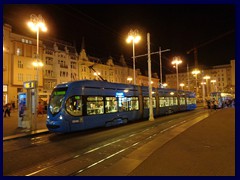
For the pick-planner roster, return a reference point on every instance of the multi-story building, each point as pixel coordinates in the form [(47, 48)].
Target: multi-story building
[(61, 62), (222, 78)]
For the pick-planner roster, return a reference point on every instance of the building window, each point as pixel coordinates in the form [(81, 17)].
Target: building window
[(20, 77), (20, 64), (18, 51)]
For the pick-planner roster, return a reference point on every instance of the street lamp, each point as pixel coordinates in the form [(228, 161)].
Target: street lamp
[(181, 84), (213, 81), (129, 79), (164, 85), (176, 62), (196, 72), (36, 24), (134, 38)]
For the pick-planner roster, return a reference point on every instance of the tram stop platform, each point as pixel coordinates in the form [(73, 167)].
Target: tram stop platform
[(205, 149), (12, 131)]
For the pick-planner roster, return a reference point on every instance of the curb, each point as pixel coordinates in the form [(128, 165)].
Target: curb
[(27, 133)]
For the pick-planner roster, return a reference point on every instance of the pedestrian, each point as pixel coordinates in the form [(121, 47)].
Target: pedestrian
[(209, 104), (214, 104), (7, 110), (40, 109), (21, 112), (233, 103)]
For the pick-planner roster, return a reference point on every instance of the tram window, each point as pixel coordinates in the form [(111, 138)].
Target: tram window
[(146, 102), (111, 104), (128, 104), (166, 101), (182, 101), (170, 101), (194, 100), (95, 105), (74, 105), (175, 101), (133, 103), (161, 102), (123, 104), (189, 101)]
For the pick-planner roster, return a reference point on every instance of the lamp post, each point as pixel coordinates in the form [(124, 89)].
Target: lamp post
[(203, 89), (176, 62), (36, 24), (134, 38), (206, 77), (196, 72), (160, 59), (151, 117), (213, 81)]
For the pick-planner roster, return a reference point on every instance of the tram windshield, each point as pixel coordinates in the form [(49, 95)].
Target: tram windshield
[(56, 100)]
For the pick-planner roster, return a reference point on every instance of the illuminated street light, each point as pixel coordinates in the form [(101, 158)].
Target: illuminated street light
[(129, 79), (181, 84), (195, 72), (213, 81), (165, 85), (36, 24), (134, 38), (97, 74), (176, 62)]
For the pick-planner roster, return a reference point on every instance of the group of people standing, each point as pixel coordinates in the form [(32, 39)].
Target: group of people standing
[(7, 108), (213, 104)]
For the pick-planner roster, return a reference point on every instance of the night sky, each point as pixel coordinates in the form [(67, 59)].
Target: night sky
[(105, 29)]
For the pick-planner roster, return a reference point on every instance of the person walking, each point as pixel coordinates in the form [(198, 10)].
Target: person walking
[(209, 104), (7, 110), (40, 109), (214, 104)]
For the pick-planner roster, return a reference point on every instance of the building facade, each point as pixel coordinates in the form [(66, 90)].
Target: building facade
[(222, 78), (62, 63)]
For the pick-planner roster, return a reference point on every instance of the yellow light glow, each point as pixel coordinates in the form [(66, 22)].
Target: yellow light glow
[(195, 72), (133, 37), (129, 78), (36, 23), (206, 77), (176, 61), (165, 85), (37, 64)]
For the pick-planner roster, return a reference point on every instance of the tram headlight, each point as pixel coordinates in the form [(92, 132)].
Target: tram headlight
[(60, 117)]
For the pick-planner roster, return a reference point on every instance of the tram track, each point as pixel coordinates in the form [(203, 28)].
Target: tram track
[(85, 160)]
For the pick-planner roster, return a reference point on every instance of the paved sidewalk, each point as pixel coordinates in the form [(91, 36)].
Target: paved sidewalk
[(11, 129), (205, 149)]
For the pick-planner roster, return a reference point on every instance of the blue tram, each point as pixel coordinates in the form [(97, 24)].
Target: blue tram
[(86, 104)]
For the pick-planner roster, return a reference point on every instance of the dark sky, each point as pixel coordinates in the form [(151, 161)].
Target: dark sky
[(105, 28)]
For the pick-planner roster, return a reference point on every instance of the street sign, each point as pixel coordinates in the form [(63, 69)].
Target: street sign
[(30, 84)]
